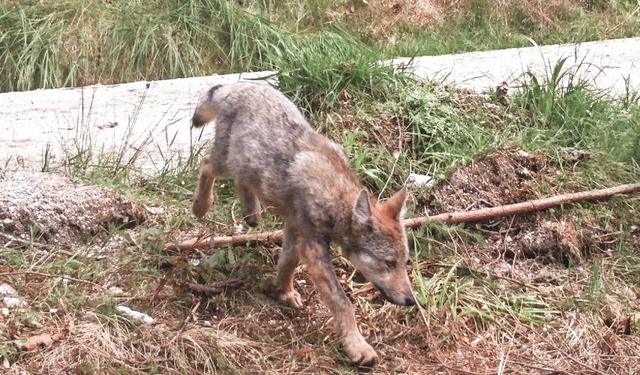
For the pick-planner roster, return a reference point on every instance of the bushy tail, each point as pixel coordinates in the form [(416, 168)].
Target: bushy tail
[(207, 110)]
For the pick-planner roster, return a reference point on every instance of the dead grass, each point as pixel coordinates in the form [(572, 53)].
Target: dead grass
[(507, 22), (481, 327), (108, 345)]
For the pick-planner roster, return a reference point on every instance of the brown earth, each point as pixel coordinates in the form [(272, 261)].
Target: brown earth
[(510, 176)]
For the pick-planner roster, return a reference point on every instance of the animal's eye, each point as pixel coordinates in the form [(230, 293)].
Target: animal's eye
[(392, 264)]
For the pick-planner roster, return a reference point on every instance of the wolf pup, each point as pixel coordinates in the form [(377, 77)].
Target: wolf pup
[(279, 161)]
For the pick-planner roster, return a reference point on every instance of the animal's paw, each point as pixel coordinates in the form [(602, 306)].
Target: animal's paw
[(201, 205), (291, 299), (359, 351)]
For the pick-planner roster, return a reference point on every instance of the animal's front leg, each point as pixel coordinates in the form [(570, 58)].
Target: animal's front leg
[(203, 197), (318, 262)]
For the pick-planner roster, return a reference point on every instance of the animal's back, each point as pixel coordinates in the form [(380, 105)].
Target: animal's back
[(263, 140), (261, 112)]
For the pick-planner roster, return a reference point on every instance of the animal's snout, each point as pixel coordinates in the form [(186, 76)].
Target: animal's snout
[(398, 298), (403, 300)]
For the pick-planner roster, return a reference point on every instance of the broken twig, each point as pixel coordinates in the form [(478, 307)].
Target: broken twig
[(195, 243)]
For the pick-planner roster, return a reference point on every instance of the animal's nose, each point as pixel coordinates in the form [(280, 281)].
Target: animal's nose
[(409, 301)]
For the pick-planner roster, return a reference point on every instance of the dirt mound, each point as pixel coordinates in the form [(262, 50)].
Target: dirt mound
[(510, 176), (47, 207), (498, 179)]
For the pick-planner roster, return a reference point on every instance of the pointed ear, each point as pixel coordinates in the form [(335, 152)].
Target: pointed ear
[(362, 208), (394, 206)]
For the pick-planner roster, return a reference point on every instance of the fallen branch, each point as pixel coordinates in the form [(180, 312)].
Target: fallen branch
[(523, 207), (447, 218), (196, 243)]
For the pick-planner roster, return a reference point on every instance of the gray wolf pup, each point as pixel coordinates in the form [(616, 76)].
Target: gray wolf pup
[(278, 160)]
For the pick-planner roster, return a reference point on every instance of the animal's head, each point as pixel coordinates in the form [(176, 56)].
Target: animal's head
[(378, 247)]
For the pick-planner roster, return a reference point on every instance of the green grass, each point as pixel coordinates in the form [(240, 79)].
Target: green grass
[(76, 42), (568, 112)]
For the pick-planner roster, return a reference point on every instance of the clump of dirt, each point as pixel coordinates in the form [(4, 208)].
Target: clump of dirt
[(498, 179), (510, 176), (49, 207)]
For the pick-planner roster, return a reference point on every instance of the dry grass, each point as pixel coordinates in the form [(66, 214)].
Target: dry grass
[(423, 26), (482, 315), (97, 344)]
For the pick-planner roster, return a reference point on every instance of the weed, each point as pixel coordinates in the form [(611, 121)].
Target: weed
[(596, 282), (567, 111)]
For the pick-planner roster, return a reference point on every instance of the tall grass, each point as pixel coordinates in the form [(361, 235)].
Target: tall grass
[(251, 42), (31, 55), (328, 65), (568, 111), (68, 43), (77, 42)]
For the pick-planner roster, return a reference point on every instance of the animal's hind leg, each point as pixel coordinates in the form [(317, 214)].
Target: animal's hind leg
[(284, 290), (203, 197), (251, 209)]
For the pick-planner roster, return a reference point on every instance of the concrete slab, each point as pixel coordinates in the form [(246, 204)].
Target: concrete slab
[(149, 121)]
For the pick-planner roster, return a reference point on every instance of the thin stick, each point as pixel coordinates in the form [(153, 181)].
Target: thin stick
[(447, 218), (194, 243)]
